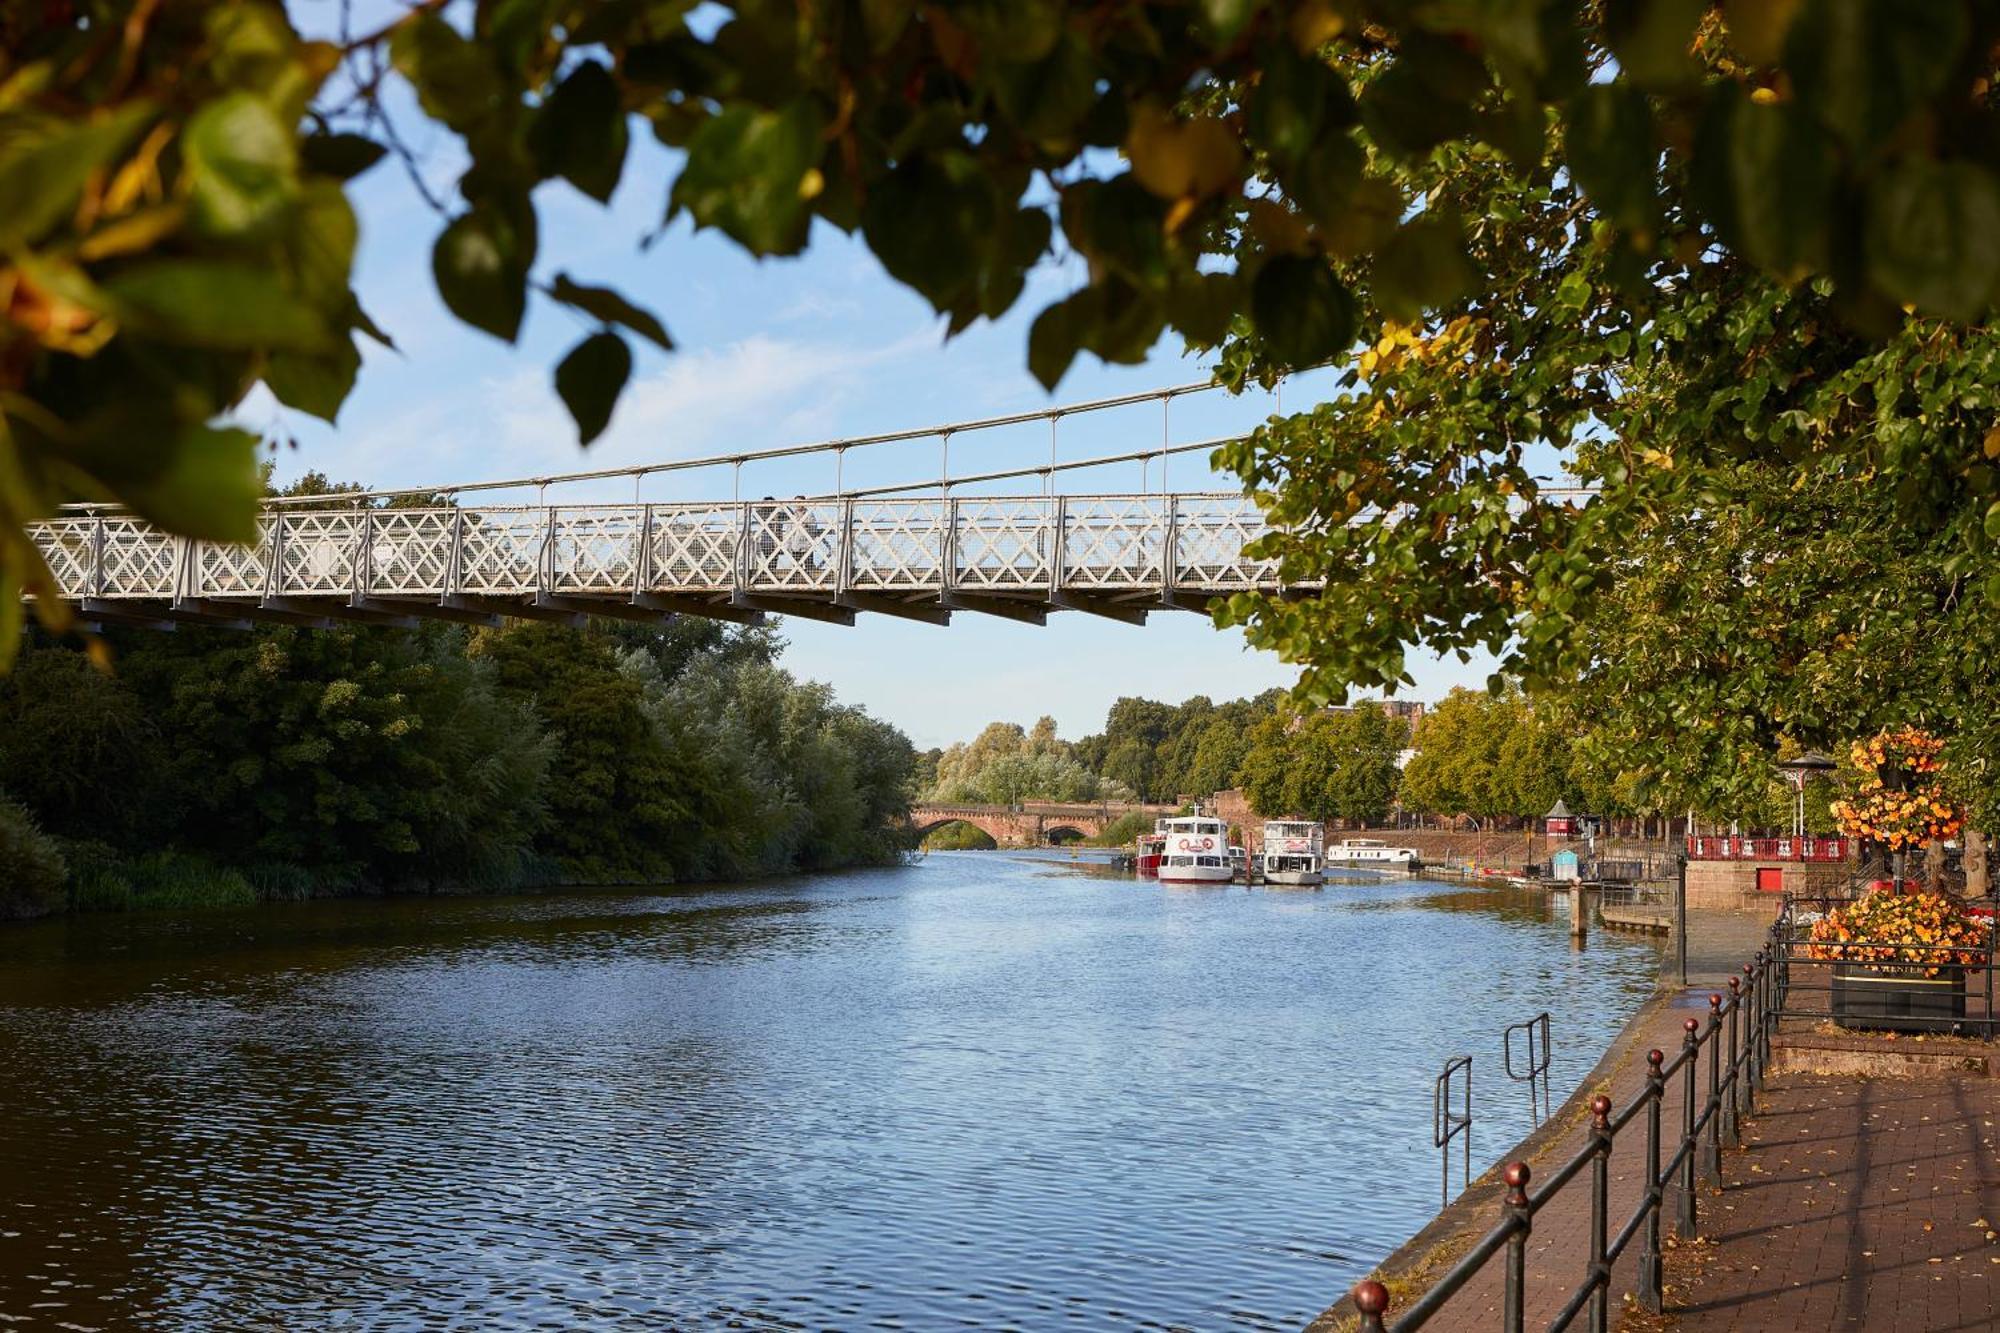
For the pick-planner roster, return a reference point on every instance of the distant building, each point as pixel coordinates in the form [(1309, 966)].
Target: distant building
[(1559, 822)]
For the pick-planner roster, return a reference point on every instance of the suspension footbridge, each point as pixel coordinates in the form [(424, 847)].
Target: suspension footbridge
[(395, 557)]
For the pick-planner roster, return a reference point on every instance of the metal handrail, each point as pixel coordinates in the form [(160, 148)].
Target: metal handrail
[(1447, 1124), (1536, 1032), (1743, 1021)]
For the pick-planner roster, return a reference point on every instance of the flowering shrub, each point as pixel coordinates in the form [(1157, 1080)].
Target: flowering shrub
[(1898, 819), (1927, 930)]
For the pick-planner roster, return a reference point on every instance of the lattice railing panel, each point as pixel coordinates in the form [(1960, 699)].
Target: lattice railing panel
[(409, 551), (1210, 533), (596, 550), (695, 548), (234, 571), (794, 544), (66, 545), (1114, 542), (317, 552), (1005, 543), (139, 560), (501, 550), (898, 544)]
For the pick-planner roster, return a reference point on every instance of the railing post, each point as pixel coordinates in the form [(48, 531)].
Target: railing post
[(96, 581), (1711, 1141), (742, 571), (1731, 1124), (1746, 1100), (1652, 1283), (642, 562), (1684, 1214), (1059, 545), (1371, 1298), (454, 565), (846, 545), (1514, 1207), (948, 556), (1600, 1212), (1170, 574)]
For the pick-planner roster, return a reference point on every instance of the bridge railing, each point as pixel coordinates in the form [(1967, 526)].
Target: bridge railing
[(820, 547)]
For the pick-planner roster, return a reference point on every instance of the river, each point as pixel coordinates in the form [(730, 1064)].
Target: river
[(981, 1091)]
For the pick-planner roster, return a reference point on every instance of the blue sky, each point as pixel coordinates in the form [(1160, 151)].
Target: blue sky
[(771, 353)]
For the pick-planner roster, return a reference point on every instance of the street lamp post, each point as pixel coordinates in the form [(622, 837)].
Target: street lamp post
[(1799, 771)]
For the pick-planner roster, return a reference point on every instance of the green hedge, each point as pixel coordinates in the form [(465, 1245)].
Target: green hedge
[(33, 874)]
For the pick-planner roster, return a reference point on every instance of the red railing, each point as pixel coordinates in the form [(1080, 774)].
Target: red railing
[(1767, 849)]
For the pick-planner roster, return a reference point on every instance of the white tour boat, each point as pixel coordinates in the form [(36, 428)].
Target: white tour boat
[(1197, 850), (1372, 854), (1294, 852)]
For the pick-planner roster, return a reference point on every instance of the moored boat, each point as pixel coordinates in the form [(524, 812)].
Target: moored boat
[(1151, 849), (1197, 850), (1294, 852), (1372, 854)]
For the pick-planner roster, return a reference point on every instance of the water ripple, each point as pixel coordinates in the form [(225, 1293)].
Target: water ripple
[(974, 1094)]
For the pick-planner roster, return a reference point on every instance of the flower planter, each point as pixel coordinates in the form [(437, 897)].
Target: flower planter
[(1896, 999)]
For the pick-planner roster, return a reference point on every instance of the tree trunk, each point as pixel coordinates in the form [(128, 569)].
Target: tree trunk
[(1978, 882)]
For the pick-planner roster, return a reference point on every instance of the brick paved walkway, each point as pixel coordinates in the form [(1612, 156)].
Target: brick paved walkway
[(1854, 1202)]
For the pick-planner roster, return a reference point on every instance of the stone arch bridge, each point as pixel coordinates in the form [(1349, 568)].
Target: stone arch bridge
[(1031, 824)]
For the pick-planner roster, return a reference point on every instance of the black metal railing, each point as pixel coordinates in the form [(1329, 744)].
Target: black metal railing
[(1447, 1124), (1533, 1067), (1712, 1105)]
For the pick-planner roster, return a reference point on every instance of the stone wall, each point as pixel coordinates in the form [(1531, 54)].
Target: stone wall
[(1733, 884)]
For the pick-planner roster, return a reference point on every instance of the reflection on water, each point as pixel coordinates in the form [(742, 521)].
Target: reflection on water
[(982, 1091)]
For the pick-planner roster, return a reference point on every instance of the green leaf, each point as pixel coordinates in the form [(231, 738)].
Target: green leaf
[(928, 220), (1422, 267), (1933, 237), (1425, 97), (481, 265), (1201, 306), (456, 80), (317, 384), (1057, 336), (590, 379), (1302, 311), (241, 167), (612, 308), (1228, 17), (1011, 30), (342, 156), (205, 484), (1651, 39), (44, 164), (1992, 524), (321, 244), (1612, 154), (1865, 67), (746, 174), (215, 303), (1764, 175), (579, 133), (1298, 98)]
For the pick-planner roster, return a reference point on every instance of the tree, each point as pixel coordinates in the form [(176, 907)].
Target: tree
[(179, 230)]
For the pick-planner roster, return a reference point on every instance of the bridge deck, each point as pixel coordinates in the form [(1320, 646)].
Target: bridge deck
[(1020, 557)]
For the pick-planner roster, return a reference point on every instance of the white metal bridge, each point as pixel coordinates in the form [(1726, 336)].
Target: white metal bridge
[(394, 557), (824, 559)]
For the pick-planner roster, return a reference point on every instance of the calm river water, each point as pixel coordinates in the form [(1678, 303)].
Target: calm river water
[(978, 1092)]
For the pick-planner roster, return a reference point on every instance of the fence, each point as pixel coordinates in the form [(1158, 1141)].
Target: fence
[(1737, 1043), (1766, 849)]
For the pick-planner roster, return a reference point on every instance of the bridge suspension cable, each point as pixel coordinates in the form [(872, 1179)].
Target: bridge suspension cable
[(838, 447)]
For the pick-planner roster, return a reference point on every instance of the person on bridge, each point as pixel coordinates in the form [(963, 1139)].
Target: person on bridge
[(802, 536)]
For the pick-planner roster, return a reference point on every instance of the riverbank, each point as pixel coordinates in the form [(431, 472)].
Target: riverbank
[(96, 880)]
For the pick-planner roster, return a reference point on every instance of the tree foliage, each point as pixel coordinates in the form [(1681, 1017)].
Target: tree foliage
[(1279, 175), (374, 759), (1005, 765), (1327, 765)]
